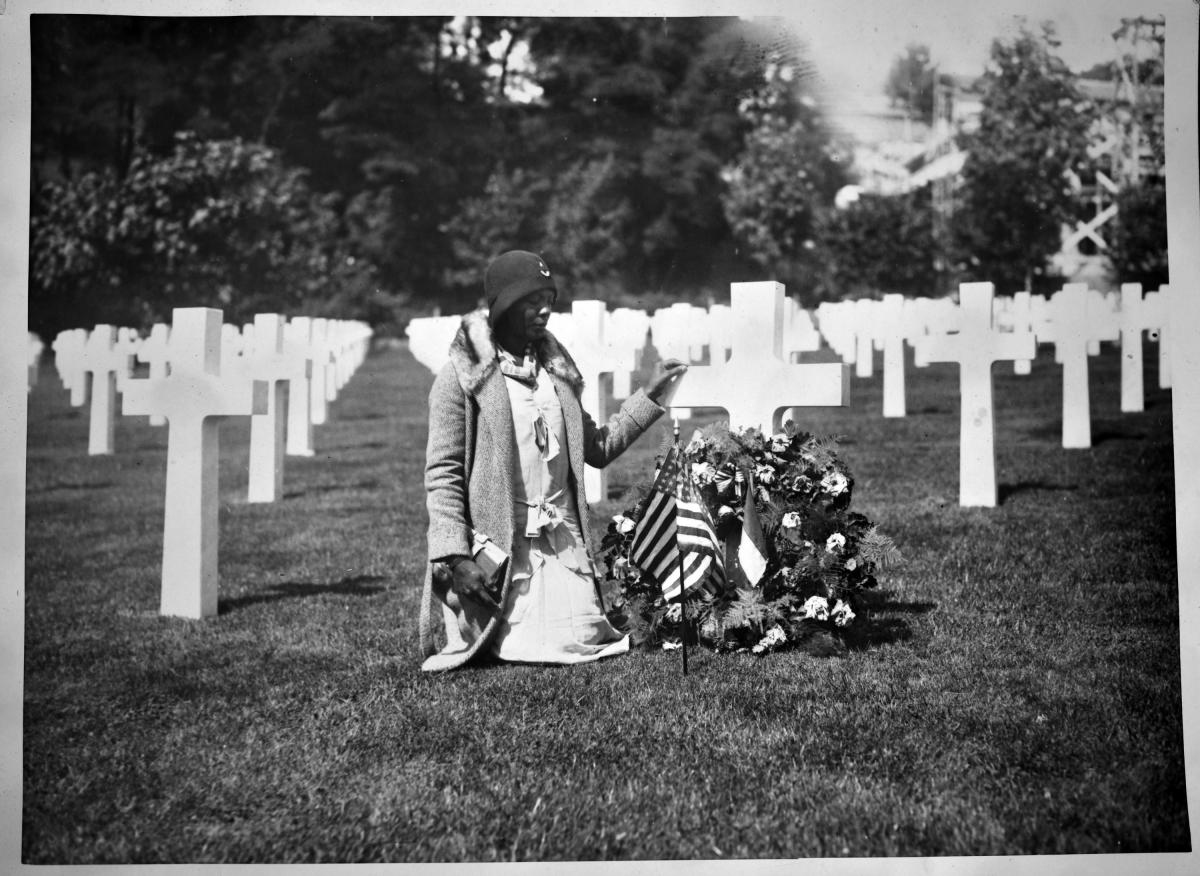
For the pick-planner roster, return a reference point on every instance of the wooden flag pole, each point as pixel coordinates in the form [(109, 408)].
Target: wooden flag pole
[(683, 631)]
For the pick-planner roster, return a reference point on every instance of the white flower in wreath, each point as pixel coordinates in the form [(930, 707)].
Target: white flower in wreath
[(851, 564), (841, 613), (835, 542), (696, 446), (791, 520), (619, 567), (780, 442), (624, 524), (674, 612), (816, 608), (703, 472), (773, 639), (834, 483), (764, 474), (724, 512)]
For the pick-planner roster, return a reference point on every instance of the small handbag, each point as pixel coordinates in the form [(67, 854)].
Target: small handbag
[(491, 559)]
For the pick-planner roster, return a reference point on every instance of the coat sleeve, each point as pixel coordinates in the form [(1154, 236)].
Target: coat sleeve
[(445, 468), (603, 444)]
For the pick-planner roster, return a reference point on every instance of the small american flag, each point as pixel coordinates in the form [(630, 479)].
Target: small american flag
[(676, 521)]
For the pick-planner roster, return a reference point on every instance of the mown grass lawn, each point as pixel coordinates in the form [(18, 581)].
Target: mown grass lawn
[(1017, 690)]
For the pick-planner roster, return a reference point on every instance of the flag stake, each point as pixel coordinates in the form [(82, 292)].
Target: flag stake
[(682, 607)]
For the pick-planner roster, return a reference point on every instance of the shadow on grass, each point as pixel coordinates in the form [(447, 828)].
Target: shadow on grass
[(329, 488), (358, 585), (879, 626), (73, 485), (1005, 491)]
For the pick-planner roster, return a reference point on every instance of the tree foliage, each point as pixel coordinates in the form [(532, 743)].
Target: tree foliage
[(785, 179), (1033, 128), (911, 82), (1137, 238), (219, 223), (881, 243)]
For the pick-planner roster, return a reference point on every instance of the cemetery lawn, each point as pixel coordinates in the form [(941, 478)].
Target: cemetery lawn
[(1017, 690)]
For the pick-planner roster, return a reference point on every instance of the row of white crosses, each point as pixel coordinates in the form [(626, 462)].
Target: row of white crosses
[(206, 385), (976, 333)]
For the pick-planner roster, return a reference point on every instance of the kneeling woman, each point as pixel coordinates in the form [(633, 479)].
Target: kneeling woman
[(508, 440)]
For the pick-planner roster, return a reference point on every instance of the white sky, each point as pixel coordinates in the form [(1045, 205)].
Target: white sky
[(854, 42)]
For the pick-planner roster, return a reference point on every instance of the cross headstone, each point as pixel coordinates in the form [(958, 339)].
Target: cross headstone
[(864, 337), (429, 339), (1072, 332), (319, 382), (756, 383), (266, 359), (194, 398), (1133, 393), (1103, 320), (155, 351), (975, 347), (890, 330), (33, 358), (1022, 321), (297, 346), (1158, 304), (68, 362), (102, 360), (588, 350), (127, 346)]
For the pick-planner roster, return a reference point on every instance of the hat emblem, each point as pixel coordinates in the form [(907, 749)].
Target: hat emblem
[(543, 270)]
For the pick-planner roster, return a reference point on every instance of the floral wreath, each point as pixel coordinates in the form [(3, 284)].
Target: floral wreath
[(820, 555)]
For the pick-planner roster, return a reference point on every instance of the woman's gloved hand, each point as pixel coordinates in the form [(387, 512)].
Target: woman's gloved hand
[(469, 582), (664, 380)]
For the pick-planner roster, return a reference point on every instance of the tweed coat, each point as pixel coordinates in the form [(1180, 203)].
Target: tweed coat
[(471, 461)]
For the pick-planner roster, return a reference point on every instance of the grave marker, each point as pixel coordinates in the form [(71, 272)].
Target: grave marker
[(267, 359), (155, 351), (755, 383), (1133, 393), (33, 356), (102, 360), (297, 346), (1072, 336), (68, 362), (975, 347), (890, 331), (194, 398)]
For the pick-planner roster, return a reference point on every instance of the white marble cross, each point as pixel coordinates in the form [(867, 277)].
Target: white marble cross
[(975, 347), (68, 362), (297, 347), (756, 383), (321, 374), (429, 339), (127, 346), (32, 359), (1157, 306), (890, 331), (195, 397), (104, 362), (864, 337), (587, 348), (155, 351), (1021, 315), (1072, 333), (1133, 323), (265, 358)]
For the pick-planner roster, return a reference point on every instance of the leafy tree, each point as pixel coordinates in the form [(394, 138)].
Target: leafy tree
[(784, 180), (1137, 237), (1014, 198), (217, 223), (880, 243), (911, 82)]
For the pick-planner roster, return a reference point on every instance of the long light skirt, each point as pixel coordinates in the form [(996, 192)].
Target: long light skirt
[(554, 613)]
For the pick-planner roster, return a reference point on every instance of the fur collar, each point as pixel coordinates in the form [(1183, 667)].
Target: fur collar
[(473, 352)]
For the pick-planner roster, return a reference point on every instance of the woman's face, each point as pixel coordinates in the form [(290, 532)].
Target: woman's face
[(526, 320)]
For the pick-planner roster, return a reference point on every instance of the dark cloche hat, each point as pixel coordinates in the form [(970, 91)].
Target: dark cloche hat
[(510, 277)]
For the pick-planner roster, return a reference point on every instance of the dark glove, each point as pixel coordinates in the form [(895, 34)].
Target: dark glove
[(469, 582)]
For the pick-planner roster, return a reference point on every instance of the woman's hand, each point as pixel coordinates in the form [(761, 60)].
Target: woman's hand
[(469, 582), (666, 377)]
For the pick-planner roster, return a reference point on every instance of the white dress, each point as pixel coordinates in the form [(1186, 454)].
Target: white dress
[(554, 614)]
